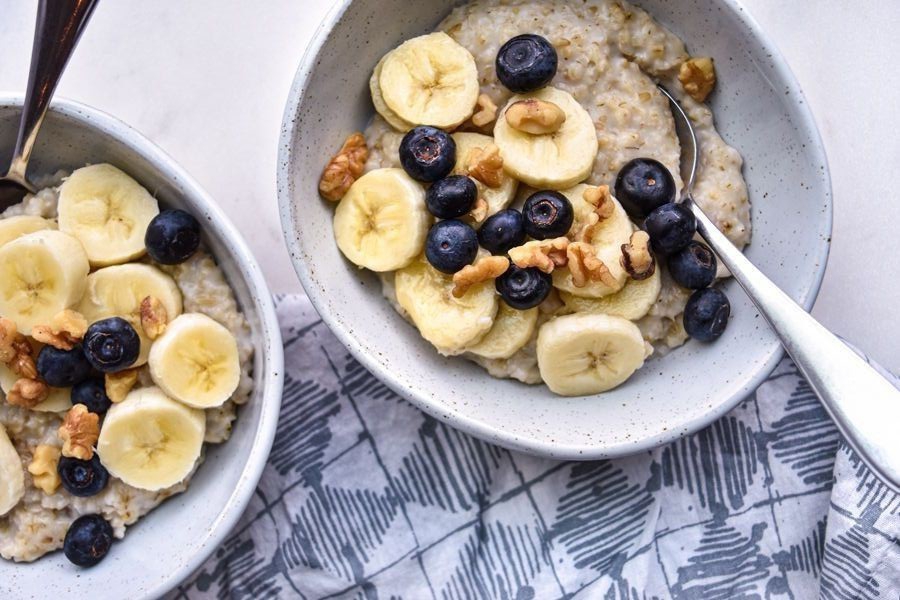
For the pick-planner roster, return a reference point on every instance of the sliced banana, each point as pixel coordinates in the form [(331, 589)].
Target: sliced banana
[(150, 441), (12, 474), (59, 400), (381, 107), (108, 212), (451, 324), (13, 228), (118, 291), (555, 160), (41, 274), (381, 223), (631, 302), (196, 361), (497, 198), (586, 353), (430, 80), (511, 331)]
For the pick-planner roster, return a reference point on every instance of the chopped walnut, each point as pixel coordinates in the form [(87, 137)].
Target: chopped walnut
[(79, 432), (543, 254), (484, 269), (698, 77), (22, 362), (345, 168), (43, 469), (480, 210), (637, 259), (154, 317), (486, 113), (534, 116), (119, 384), (600, 198), (585, 266), (8, 336), (486, 165), (66, 330), (27, 393)]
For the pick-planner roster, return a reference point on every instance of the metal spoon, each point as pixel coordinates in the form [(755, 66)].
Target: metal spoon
[(864, 405), (59, 25)]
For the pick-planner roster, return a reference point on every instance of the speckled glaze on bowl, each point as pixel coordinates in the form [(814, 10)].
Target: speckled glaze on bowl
[(760, 110), (167, 545)]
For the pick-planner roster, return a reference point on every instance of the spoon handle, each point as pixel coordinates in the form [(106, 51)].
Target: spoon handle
[(864, 405), (59, 25)]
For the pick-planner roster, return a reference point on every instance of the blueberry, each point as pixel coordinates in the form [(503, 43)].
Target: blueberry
[(88, 540), (451, 197), (706, 314), (670, 227), (92, 393), (111, 345), (63, 368), (526, 63), (451, 245), (82, 478), (693, 267), (502, 231), (524, 288), (172, 237), (427, 153), (642, 185), (548, 214)]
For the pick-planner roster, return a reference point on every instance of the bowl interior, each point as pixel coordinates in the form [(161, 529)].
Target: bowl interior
[(760, 111), (167, 545)]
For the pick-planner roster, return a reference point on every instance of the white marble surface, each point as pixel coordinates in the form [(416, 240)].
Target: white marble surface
[(207, 81)]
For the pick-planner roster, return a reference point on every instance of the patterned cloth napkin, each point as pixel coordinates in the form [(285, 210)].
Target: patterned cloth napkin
[(366, 497)]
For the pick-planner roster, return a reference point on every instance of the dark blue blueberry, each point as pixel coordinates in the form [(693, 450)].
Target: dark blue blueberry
[(451, 245), (548, 214), (63, 368), (502, 231), (92, 393), (524, 288), (172, 237), (111, 345), (670, 227), (706, 314), (427, 153), (642, 185), (82, 478), (88, 540), (451, 197), (694, 267), (526, 63)]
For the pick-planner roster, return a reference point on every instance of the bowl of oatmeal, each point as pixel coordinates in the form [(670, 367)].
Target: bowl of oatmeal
[(141, 371), (570, 340)]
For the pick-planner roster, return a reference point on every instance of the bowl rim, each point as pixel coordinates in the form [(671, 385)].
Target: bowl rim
[(456, 418), (270, 344)]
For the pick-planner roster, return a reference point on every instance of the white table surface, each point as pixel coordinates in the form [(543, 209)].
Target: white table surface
[(207, 81)]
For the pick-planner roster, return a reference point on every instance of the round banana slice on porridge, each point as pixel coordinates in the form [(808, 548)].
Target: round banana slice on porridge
[(15, 227), (632, 302), (511, 331), (393, 119)]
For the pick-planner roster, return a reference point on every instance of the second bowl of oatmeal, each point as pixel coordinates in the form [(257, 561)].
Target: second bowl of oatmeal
[(392, 298)]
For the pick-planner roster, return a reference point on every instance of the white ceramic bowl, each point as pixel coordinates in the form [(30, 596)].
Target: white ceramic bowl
[(167, 545), (759, 109)]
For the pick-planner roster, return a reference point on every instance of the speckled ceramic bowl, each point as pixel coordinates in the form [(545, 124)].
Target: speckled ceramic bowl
[(760, 110), (167, 545)]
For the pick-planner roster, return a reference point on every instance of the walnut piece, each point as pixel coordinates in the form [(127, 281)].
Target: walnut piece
[(119, 384), (79, 432), (484, 269), (66, 329), (345, 168), (480, 210), (27, 393), (9, 334), (697, 77), (43, 469), (637, 259), (486, 165), (600, 198), (543, 254), (486, 113), (585, 266), (22, 363), (534, 116), (154, 317)]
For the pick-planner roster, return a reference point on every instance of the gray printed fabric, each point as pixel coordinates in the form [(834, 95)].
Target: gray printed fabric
[(366, 497)]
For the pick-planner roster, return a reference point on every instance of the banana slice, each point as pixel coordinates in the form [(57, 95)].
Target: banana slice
[(15, 227), (108, 212), (150, 441), (381, 223), (585, 353), (497, 198), (12, 474), (511, 331), (196, 361), (631, 302), (430, 80), (41, 274), (59, 400), (118, 291), (381, 107), (556, 160), (450, 324)]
